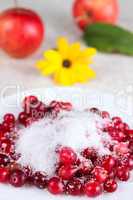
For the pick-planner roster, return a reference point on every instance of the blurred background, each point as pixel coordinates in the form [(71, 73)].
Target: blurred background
[(114, 72)]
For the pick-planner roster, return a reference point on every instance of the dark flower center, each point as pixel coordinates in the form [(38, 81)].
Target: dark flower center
[(67, 63)]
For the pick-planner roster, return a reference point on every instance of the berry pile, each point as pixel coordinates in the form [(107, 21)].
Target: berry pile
[(87, 173)]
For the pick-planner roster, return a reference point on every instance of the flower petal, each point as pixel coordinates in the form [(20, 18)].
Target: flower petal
[(74, 51), (64, 77), (63, 46), (53, 56)]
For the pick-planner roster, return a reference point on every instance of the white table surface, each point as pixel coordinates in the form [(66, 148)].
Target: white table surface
[(114, 72)]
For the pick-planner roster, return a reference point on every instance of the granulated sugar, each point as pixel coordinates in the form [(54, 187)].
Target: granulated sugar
[(37, 143)]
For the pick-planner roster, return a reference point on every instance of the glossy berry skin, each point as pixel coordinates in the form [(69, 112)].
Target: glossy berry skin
[(66, 172), (74, 187), (100, 174), (123, 173), (17, 178), (4, 160), (6, 146), (88, 12), (67, 156), (26, 32), (9, 118), (110, 185), (108, 163), (24, 119), (89, 153), (93, 188), (39, 180), (55, 186), (4, 174)]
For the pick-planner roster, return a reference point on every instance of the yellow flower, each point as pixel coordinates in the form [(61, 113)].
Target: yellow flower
[(68, 64)]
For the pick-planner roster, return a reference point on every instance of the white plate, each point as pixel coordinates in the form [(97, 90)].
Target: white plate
[(81, 98)]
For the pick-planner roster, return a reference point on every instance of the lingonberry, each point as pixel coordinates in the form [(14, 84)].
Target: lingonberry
[(85, 167), (122, 173), (66, 172), (108, 163), (100, 174), (40, 180), (93, 188), (4, 174), (55, 186), (24, 119), (67, 156), (9, 118), (17, 178), (116, 120), (74, 187), (7, 127), (110, 185)]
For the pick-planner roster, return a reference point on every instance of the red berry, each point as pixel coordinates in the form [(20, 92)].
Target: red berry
[(67, 172), (24, 119), (4, 174), (9, 118), (93, 188), (6, 146), (55, 186), (100, 174), (40, 180), (66, 106), (4, 160), (122, 173), (110, 185), (67, 156), (118, 136), (89, 153), (7, 127), (74, 187), (105, 114), (116, 120), (85, 167), (108, 163), (17, 178), (95, 110)]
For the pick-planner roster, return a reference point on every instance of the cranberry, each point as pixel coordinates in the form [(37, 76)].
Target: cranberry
[(17, 178), (66, 106), (122, 173), (74, 187), (40, 180), (118, 135), (4, 174), (116, 120), (9, 118), (7, 127), (129, 133), (95, 110), (100, 174), (89, 153), (93, 188), (105, 114), (4, 160), (121, 148), (110, 185), (24, 119), (85, 167), (108, 163), (67, 156), (6, 146), (55, 186), (67, 172)]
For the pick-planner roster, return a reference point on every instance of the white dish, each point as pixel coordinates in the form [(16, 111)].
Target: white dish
[(81, 98)]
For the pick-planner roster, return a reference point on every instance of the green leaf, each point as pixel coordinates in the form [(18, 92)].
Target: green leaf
[(109, 38)]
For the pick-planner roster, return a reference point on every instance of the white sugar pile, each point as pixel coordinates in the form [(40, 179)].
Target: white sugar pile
[(75, 129)]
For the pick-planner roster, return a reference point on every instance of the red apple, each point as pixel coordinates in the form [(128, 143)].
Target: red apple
[(21, 32), (86, 12)]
